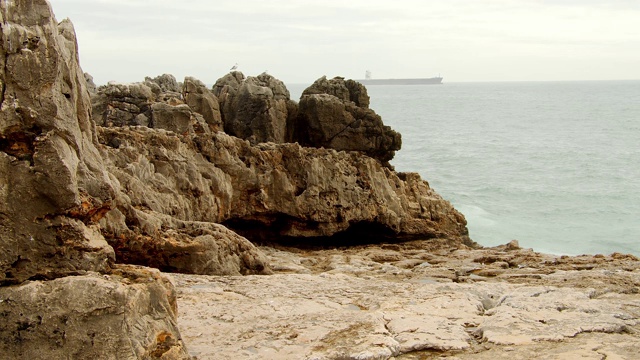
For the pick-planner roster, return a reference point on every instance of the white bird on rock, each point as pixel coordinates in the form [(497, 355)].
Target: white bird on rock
[(234, 67)]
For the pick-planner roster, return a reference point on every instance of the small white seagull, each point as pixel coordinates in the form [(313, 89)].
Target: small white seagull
[(234, 67)]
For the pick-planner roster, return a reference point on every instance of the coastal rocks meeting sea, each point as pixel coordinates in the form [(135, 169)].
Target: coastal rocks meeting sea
[(170, 220)]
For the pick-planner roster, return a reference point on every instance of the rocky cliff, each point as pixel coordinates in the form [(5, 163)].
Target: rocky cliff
[(99, 185), (144, 174), (62, 294), (181, 172)]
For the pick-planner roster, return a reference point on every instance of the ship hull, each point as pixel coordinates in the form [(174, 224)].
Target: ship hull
[(425, 81)]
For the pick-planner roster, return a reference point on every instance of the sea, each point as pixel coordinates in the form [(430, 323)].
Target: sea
[(554, 165)]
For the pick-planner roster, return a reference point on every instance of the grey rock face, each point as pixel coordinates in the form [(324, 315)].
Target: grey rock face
[(165, 82), (257, 109), (169, 199), (203, 101), (277, 191), (52, 178), (179, 119), (91, 86), (122, 104), (130, 314), (330, 116), (54, 188), (345, 90)]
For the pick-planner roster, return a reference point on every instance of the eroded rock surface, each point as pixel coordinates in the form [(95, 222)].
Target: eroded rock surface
[(417, 300), (122, 104), (129, 314), (203, 101), (271, 192), (54, 188), (335, 114), (344, 90), (257, 109), (53, 184)]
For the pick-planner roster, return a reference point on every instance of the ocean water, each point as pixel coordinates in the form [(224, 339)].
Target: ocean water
[(554, 165)]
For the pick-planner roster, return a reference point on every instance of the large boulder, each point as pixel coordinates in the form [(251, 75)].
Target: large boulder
[(345, 90), (334, 114), (130, 314), (165, 83), (258, 109), (117, 104), (179, 119), (147, 104)]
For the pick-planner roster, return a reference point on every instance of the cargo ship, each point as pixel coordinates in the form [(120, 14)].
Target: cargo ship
[(424, 81)]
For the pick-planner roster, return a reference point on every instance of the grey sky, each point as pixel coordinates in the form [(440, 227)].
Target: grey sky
[(299, 41)]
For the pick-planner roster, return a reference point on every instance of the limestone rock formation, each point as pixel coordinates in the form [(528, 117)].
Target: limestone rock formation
[(177, 118), (91, 86), (344, 90), (273, 192), (417, 300), (164, 82), (169, 199), (123, 104), (54, 188), (203, 101), (334, 114), (146, 104), (53, 183), (257, 109), (129, 314)]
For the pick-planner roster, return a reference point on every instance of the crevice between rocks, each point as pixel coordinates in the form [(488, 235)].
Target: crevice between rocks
[(273, 230)]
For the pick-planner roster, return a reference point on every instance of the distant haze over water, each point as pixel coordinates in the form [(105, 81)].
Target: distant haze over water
[(555, 165)]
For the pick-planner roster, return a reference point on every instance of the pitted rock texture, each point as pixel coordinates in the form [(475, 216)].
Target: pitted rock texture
[(164, 83), (54, 188), (417, 300), (51, 171), (122, 104), (168, 204), (272, 192), (130, 314), (145, 104)]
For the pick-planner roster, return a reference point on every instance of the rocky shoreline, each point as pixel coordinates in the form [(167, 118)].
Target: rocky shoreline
[(416, 300), (166, 220)]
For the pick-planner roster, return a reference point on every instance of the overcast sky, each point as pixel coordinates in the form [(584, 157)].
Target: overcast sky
[(299, 41)]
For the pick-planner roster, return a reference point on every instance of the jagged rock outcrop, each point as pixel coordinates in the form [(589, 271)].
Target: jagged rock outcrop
[(203, 102), (345, 90), (334, 114), (122, 104), (164, 83), (54, 188), (146, 104), (53, 184), (274, 192), (168, 201), (177, 118), (91, 86), (257, 109)]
